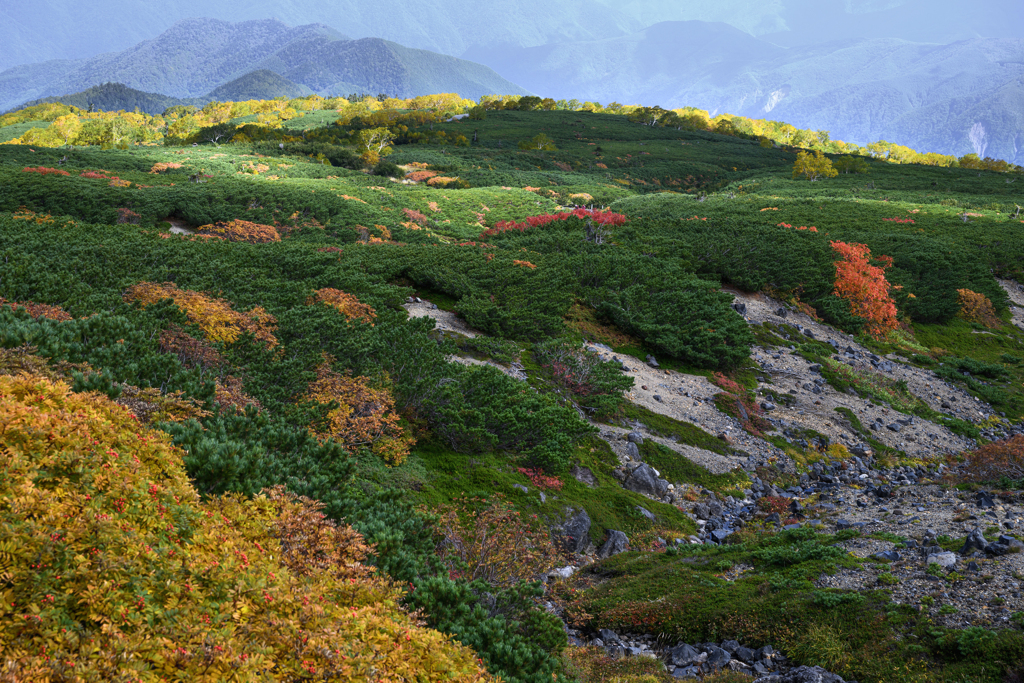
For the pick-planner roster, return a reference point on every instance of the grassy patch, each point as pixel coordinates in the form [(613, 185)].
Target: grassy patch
[(679, 469), (665, 426)]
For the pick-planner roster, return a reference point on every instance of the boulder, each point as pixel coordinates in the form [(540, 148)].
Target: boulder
[(632, 451), (946, 560), (803, 674), (584, 476), (574, 535), (683, 655), (635, 437), (645, 512), (975, 541), (617, 542), (644, 480)]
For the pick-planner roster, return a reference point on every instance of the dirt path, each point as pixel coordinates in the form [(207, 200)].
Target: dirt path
[(1015, 291)]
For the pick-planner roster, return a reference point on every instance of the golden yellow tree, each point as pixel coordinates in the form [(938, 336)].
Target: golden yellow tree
[(813, 166)]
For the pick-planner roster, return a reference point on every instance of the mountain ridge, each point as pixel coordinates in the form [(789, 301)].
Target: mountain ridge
[(198, 55)]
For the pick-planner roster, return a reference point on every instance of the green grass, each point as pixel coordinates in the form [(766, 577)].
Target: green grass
[(665, 426), (18, 129), (677, 468)]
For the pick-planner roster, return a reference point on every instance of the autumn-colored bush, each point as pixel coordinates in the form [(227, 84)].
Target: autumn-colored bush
[(492, 543), (977, 308), (346, 304), (151, 405), (119, 182), (604, 218), (995, 460), (228, 392), (219, 322), (241, 231), (774, 504), (416, 216), (541, 480), (162, 166), (128, 217), (737, 401), (96, 175), (365, 416), (442, 180), (192, 352), (418, 176), (864, 286), (38, 310), (43, 170), (115, 571)]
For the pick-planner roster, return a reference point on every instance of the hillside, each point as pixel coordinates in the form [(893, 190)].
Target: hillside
[(118, 97), (594, 398), (197, 56), (925, 95), (256, 85)]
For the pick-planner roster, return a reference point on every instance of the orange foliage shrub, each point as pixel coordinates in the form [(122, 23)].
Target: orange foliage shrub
[(162, 166), (418, 176), (365, 416), (38, 310), (977, 308), (995, 460), (415, 216), (228, 392), (118, 182), (441, 180), (127, 216), (192, 352), (241, 231), (865, 287), (43, 170), (122, 573), (345, 303), (494, 543), (215, 317), (524, 264)]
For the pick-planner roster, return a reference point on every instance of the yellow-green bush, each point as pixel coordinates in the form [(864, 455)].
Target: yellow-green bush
[(111, 569)]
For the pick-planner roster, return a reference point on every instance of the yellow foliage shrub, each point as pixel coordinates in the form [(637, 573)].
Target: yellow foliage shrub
[(215, 317), (241, 231), (115, 571), (976, 308), (365, 417), (345, 303)]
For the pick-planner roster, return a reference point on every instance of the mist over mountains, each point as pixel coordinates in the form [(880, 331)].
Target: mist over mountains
[(196, 56)]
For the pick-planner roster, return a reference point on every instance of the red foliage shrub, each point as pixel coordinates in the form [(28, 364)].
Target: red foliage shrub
[(605, 218), (865, 287), (42, 170), (540, 480), (39, 310), (128, 216)]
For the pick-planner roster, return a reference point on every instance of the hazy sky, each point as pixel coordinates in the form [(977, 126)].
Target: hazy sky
[(37, 30)]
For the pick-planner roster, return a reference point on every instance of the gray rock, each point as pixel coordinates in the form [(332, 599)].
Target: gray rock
[(745, 654), (652, 362), (584, 476), (643, 480), (768, 405), (803, 674), (635, 437), (574, 535), (946, 560), (645, 512), (617, 542), (888, 556), (521, 488), (683, 655), (609, 637), (717, 659), (632, 451), (739, 307), (975, 541), (730, 646), (719, 535)]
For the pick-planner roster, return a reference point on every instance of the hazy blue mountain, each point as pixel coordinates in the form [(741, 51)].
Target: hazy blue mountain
[(117, 97), (63, 29), (261, 84), (923, 95), (197, 56)]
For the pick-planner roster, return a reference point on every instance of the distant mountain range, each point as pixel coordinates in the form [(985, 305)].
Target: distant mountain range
[(959, 98), (42, 30), (199, 57)]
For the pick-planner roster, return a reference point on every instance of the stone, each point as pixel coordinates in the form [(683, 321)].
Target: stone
[(683, 655), (985, 500), (717, 658), (767, 405), (745, 654), (608, 636), (562, 572), (652, 362), (644, 480), (946, 560), (719, 535), (617, 542), (975, 541), (781, 312), (574, 535), (739, 307), (888, 556), (632, 451), (803, 674), (585, 476), (730, 646), (521, 488), (645, 512), (635, 437)]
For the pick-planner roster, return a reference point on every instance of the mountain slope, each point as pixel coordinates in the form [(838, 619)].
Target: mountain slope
[(117, 97), (65, 29), (925, 96), (255, 85), (199, 55)]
